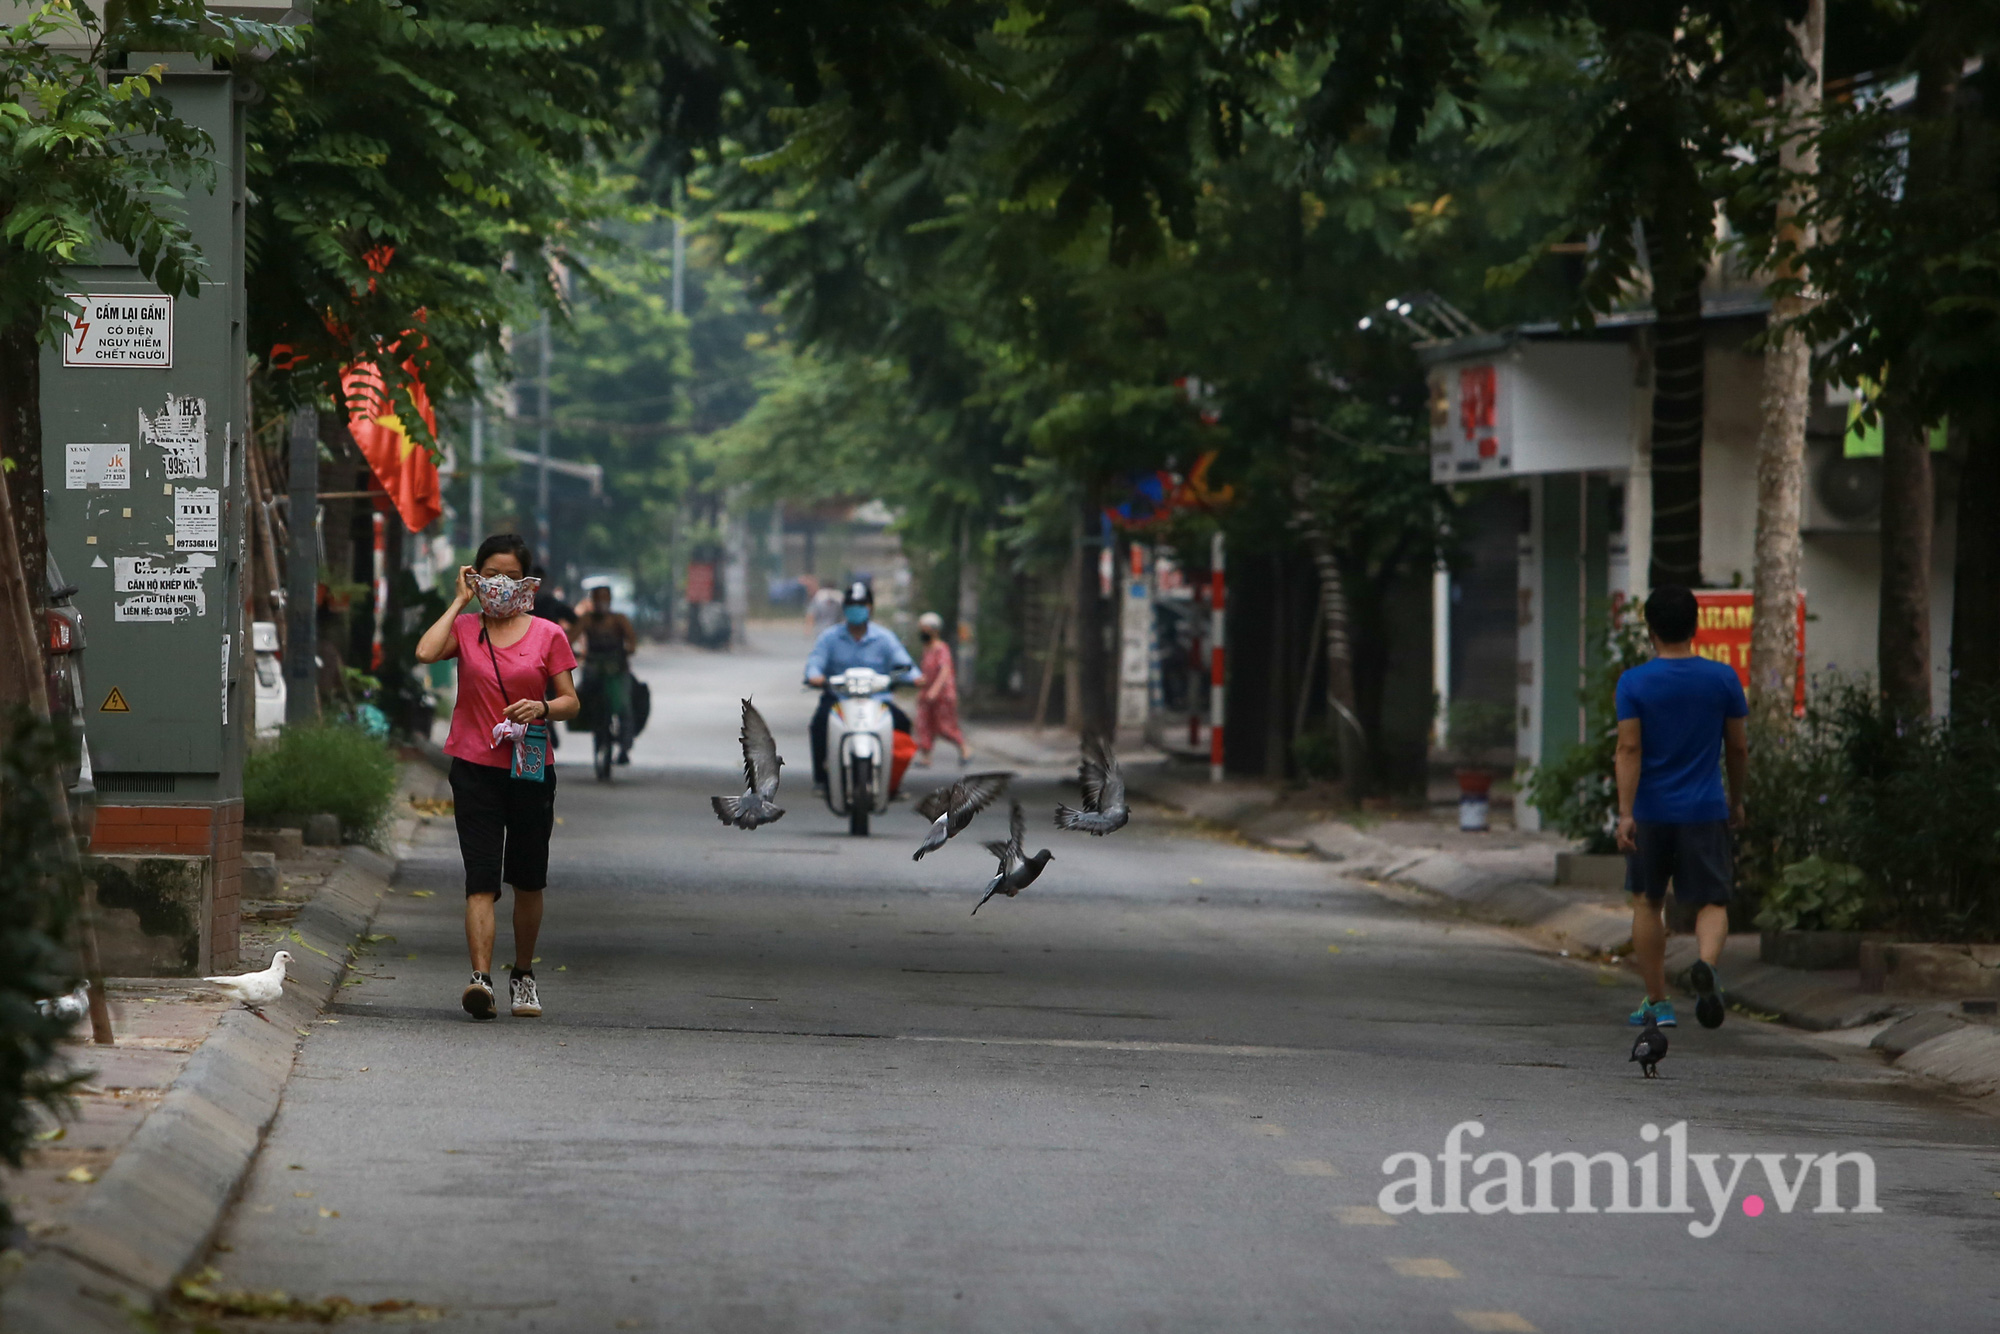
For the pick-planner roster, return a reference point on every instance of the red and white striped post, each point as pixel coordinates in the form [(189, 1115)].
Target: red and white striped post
[(1194, 666), (1217, 610)]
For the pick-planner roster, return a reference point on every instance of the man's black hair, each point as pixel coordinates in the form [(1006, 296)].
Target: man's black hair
[(506, 544), (1672, 614)]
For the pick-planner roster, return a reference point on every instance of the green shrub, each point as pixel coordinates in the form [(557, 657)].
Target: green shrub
[(1907, 804), (332, 767), (38, 890), (1475, 725), (1816, 895), (1317, 754), (1577, 791)]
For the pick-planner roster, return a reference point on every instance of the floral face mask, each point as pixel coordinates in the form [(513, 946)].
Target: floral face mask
[(502, 596)]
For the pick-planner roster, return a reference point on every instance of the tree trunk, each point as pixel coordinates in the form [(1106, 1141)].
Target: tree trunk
[(1095, 714), (21, 447), (1975, 613), (1343, 719), (1903, 619), (1678, 385), (1781, 444)]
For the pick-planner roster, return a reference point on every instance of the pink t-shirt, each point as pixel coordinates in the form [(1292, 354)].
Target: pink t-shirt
[(528, 665)]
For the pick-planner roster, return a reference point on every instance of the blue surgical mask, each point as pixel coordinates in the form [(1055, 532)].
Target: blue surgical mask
[(856, 615)]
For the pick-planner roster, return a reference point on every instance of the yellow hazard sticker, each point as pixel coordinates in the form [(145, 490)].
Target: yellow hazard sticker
[(115, 702)]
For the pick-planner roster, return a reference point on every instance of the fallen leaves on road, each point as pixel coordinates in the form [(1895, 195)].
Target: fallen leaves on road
[(301, 941), (82, 1176), (437, 807), (51, 1136), (204, 1296), (325, 1212), (423, 894), (302, 1195)]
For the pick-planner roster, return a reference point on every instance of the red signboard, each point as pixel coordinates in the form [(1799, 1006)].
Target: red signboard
[(1723, 633), (700, 582), (1478, 394)]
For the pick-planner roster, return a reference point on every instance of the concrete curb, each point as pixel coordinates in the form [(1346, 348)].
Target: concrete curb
[(1574, 920), (1928, 1041), (153, 1213), (1941, 1047)]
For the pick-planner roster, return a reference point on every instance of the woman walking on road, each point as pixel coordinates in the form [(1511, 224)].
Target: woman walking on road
[(937, 702), (513, 682)]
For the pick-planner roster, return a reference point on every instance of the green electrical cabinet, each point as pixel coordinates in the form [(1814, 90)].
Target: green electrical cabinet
[(144, 409)]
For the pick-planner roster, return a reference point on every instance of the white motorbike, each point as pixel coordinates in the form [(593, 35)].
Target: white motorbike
[(860, 745)]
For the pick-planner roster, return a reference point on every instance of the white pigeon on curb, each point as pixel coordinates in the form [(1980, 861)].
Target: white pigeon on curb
[(256, 989), (72, 1007)]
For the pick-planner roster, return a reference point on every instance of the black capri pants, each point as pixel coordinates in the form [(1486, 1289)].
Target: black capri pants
[(504, 825)]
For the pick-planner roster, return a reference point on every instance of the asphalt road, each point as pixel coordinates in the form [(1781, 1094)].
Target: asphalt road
[(786, 1082)]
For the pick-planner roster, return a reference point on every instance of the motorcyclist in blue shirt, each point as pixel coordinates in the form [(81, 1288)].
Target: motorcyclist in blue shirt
[(855, 642)]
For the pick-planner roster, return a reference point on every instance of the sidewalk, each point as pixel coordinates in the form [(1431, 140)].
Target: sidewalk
[(1507, 877), (123, 1198)]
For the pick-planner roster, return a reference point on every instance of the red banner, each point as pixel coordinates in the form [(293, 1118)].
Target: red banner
[(404, 467), (1723, 633), (700, 582)]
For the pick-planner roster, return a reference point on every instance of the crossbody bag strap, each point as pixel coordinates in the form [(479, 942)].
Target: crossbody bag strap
[(498, 680)]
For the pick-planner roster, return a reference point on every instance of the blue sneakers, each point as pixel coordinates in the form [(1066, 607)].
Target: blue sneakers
[(1660, 1012)]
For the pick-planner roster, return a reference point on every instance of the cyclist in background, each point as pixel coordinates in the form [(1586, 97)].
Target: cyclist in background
[(608, 641)]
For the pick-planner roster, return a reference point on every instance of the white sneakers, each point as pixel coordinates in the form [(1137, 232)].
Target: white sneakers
[(527, 1004), (478, 997)]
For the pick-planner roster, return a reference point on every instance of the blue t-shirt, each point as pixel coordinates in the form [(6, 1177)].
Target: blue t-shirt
[(836, 650), (1680, 704)]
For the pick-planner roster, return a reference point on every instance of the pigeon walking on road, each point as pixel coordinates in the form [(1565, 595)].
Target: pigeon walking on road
[(256, 990), (950, 809), (1649, 1049), (758, 804), (72, 1007), (1017, 871), (1104, 807)]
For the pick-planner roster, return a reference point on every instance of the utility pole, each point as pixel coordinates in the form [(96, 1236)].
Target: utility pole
[(542, 448), (478, 469), (680, 266), (302, 572)]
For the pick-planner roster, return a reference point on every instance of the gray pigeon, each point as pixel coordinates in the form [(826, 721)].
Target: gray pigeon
[(758, 804), (1016, 871), (1104, 808), (950, 809), (1649, 1049)]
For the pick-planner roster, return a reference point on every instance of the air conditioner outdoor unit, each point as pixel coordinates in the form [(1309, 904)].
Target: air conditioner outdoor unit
[(1843, 495)]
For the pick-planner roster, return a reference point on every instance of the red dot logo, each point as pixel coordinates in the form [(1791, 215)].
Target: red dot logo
[(1753, 1206)]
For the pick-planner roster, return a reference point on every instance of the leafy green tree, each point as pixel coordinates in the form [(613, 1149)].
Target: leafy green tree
[(89, 158), (422, 175)]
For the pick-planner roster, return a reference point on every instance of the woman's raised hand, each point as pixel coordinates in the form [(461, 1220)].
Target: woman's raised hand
[(462, 592)]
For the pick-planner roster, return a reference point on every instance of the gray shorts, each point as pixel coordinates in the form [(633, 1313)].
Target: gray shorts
[(1698, 858)]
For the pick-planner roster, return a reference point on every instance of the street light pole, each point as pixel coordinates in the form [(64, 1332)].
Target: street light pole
[(542, 449), (478, 469)]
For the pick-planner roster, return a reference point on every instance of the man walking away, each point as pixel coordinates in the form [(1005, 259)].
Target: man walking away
[(1678, 714)]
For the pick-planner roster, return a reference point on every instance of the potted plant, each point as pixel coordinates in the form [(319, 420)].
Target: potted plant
[(1474, 730)]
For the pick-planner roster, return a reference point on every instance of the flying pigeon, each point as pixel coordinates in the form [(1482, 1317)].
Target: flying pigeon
[(950, 809), (1016, 871), (72, 1007), (1649, 1049), (256, 990), (758, 804), (1104, 808)]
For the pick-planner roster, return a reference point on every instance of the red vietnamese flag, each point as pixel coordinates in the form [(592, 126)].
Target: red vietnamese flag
[(403, 466)]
